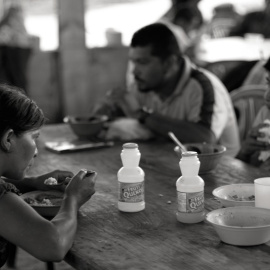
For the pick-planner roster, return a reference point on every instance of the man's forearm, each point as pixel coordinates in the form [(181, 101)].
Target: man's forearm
[(187, 132)]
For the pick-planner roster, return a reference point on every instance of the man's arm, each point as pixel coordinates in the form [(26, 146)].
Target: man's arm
[(186, 132), (253, 144)]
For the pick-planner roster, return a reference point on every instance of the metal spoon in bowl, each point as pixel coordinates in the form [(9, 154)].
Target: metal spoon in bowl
[(173, 137)]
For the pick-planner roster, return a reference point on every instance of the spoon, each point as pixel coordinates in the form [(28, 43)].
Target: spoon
[(173, 137)]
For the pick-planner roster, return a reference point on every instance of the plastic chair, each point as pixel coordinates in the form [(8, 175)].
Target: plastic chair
[(232, 72), (247, 101)]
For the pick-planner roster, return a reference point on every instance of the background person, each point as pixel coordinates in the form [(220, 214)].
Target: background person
[(224, 19), (256, 148), (20, 224), (15, 46), (256, 22), (169, 93), (187, 15)]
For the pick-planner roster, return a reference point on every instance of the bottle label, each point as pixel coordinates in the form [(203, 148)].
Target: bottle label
[(192, 202), (131, 192)]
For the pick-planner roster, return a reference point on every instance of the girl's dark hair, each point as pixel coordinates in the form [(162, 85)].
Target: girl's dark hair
[(18, 111), (161, 39)]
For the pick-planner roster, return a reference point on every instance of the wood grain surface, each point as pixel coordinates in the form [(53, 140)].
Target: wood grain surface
[(153, 238)]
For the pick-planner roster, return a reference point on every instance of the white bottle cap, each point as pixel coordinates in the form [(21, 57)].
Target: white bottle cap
[(189, 154), (130, 146)]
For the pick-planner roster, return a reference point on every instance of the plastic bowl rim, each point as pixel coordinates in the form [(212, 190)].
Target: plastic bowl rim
[(237, 227), (227, 200), (221, 151)]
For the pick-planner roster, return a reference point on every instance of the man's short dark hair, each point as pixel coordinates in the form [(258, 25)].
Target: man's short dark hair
[(159, 37)]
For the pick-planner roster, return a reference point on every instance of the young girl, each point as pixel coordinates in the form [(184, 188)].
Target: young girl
[(20, 224)]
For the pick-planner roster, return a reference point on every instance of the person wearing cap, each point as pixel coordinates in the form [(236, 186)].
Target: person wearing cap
[(256, 148), (169, 93)]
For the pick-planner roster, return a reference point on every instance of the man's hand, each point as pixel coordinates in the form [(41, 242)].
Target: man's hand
[(252, 147), (124, 100), (127, 129), (256, 132)]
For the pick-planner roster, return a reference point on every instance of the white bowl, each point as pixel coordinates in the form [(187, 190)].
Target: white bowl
[(235, 195), (241, 225)]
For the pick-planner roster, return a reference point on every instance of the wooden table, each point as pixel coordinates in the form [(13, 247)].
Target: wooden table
[(153, 238)]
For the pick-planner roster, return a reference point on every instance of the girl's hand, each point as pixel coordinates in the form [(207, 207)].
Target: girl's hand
[(81, 187)]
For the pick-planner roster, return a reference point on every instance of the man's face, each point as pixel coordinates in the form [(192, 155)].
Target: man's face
[(148, 70)]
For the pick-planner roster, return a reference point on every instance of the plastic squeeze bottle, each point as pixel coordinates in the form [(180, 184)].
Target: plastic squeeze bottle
[(190, 190), (130, 180)]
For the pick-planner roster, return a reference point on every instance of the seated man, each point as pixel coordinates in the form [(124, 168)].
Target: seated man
[(169, 93), (256, 148)]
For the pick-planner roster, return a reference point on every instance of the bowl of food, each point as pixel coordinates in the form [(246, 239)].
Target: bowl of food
[(208, 154), (46, 203), (86, 127), (235, 195), (241, 225)]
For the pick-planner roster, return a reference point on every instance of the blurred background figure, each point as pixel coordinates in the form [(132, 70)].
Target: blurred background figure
[(256, 148), (15, 44), (256, 22), (186, 15), (224, 19)]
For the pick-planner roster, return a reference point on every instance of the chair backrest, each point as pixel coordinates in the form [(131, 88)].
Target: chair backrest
[(247, 101), (221, 27)]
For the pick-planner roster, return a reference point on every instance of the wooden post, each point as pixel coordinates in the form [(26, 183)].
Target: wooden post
[(73, 57), (1, 9)]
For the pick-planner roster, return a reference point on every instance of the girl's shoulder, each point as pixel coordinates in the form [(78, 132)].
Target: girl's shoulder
[(4, 244), (7, 188)]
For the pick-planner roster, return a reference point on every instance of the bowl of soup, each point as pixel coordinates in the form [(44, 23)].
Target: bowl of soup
[(208, 154)]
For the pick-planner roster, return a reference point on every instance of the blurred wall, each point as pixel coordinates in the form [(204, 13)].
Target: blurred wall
[(106, 69)]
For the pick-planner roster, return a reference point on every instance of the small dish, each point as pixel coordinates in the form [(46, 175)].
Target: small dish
[(235, 195)]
